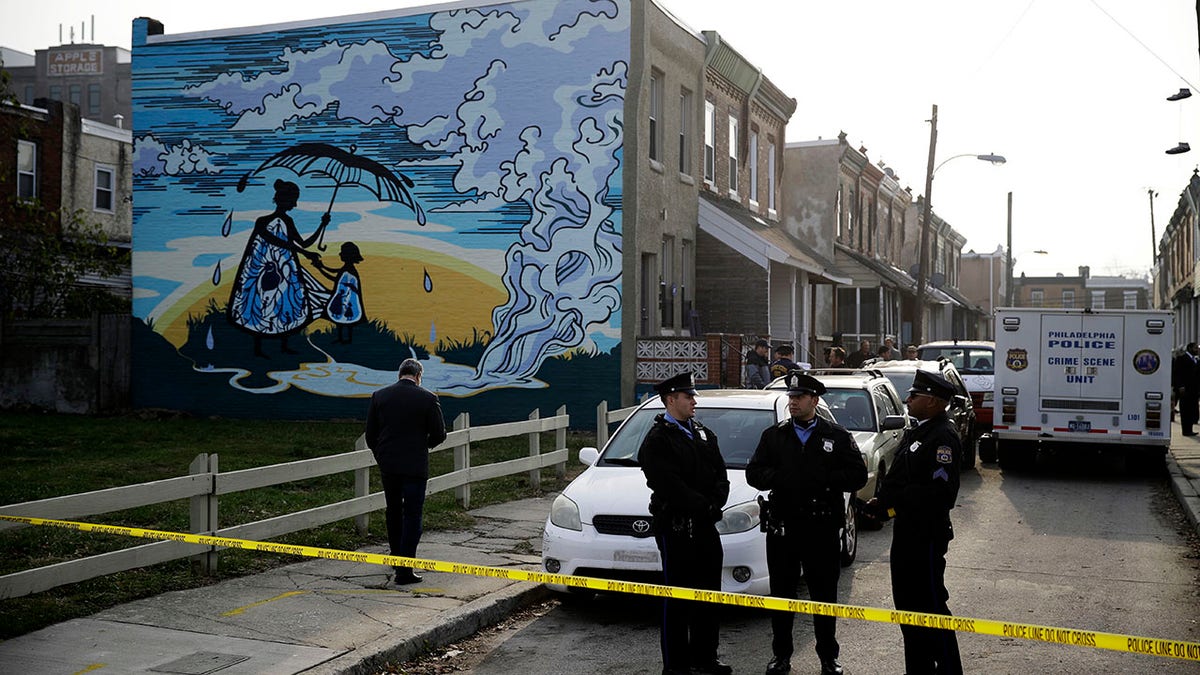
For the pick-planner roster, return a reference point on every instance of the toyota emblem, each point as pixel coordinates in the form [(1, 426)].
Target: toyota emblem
[(641, 526)]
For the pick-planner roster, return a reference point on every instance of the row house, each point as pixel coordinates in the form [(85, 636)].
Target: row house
[(950, 314), (1082, 291), (1176, 286), (984, 283)]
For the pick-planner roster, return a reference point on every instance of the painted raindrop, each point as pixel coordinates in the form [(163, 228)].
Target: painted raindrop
[(228, 226), (208, 341), (428, 282), (432, 332), (217, 274)]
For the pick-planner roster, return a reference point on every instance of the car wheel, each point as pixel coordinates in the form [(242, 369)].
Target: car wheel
[(850, 535)]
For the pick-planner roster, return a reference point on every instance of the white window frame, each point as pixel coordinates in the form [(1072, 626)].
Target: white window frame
[(29, 149), (733, 156), (685, 131), (111, 172), (1130, 299), (1037, 298), (710, 142), (656, 103), (1068, 299), (1097, 299), (771, 179), (752, 160)]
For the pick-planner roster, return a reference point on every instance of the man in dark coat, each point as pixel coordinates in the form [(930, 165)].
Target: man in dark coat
[(403, 422), (686, 475), (1185, 380), (919, 491), (783, 361), (864, 352), (807, 463)]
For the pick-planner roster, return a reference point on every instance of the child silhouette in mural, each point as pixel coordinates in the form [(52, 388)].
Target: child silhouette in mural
[(272, 294), (345, 306)]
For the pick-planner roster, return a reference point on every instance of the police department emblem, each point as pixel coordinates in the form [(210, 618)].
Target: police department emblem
[(945, 455), (1018, 359), (828, 445), (1146, 361)]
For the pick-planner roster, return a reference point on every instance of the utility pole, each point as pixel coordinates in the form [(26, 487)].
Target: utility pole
[(1008, 277), (918, 332)]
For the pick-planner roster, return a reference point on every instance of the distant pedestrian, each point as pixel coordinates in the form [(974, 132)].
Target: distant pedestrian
[(403, 422), (893, 353), (689, 486), (919, 491), (864, 352), (837, 357), (883, 353), (757, 372), (1185, 380), (783, 361), (910, 353)]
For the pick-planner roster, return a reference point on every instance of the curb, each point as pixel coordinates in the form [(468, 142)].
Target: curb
[(1185, 492), (412, 641)]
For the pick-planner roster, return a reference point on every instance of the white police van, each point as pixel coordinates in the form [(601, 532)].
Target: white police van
[(1075, 376)]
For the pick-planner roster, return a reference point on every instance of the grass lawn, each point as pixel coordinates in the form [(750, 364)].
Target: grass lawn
[(49, 455)]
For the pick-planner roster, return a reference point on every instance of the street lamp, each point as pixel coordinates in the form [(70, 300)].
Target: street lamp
[(923, 257)]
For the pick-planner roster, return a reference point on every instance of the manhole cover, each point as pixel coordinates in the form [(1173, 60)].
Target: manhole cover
[(200, 663)]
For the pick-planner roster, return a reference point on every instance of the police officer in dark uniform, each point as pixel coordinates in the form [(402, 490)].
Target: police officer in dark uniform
[(686, 474), (807, 463), (919, 492)]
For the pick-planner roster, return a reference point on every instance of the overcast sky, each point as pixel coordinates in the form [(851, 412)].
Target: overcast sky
[(1072, 92)]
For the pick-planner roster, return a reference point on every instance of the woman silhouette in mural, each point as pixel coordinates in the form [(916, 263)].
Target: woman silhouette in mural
[(345, 306), (273, 296)]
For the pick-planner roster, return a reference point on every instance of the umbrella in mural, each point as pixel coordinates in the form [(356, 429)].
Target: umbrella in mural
[(345, 168)]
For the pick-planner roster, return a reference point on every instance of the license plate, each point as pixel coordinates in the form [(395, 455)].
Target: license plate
[(635, 556), (1079, 425)]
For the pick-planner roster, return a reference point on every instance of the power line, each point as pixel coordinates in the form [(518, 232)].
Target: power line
[(1143, 44)]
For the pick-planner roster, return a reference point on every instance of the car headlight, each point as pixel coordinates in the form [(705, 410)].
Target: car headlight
[(738, 518), (565, 514)]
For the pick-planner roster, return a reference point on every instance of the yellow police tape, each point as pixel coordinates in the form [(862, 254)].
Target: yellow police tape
[(1178, 649)]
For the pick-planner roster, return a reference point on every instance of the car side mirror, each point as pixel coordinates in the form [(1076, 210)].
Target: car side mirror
[(892, 422), (588, 456)]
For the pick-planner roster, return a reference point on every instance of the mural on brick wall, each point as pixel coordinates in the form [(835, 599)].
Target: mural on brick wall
[(315, 203)]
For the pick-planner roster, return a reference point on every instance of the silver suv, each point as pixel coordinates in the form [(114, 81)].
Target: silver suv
[(960, 409), (867, 404)]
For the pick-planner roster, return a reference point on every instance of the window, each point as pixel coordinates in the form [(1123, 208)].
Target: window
[(94, 99), (666, 283), (685, 131), (29, 96), (771, 176), (710, 141), (1068, 299), (753, 161), (56, 92), (104, 188), (733, 156), (76, 94), (1130, 299), (26, 170), (656, 94), (1097, 299), (1037, 298)]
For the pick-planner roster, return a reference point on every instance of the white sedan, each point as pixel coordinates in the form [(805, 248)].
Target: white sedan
[(600, 526)]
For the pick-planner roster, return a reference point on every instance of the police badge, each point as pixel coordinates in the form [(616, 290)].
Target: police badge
[(828, 445), (1017, 360)]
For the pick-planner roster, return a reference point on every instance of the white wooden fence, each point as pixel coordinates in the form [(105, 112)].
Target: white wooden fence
[(204, 485)]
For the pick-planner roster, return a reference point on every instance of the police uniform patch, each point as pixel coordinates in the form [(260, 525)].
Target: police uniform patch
[(915, 446), (828, 445), (945, 455)]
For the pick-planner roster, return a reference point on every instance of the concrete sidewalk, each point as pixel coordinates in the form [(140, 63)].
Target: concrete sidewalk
[(316, 617), (323, 617)]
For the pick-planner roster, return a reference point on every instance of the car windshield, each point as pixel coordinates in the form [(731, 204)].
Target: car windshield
[(901, 379), (852, 408), (968, 360), (737, 430)]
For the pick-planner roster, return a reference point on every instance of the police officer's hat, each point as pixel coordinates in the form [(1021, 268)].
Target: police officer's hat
[(681, 382), (932, 384), (798, 383)]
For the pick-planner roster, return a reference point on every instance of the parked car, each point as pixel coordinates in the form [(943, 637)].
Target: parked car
[(600, 526), (868, 405), (976, 362), (960, 408)]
